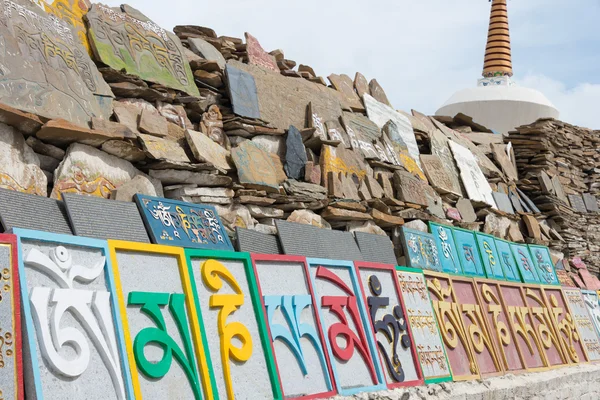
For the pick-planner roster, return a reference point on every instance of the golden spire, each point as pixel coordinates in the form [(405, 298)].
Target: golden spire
[(498, 61)]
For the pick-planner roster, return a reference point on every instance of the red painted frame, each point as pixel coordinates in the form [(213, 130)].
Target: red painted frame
[(16, 301), (302, 260), (392, 269)]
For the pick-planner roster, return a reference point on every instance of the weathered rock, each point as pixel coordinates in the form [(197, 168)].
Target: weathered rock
[(360, 84), (61, 132), (92, 172), (410, 189), (140, 184), (163, 149), (45, 78), (340, 160), (258, 56), (308, 217), (378, 93), (48, 163), (533, 226), (349, 205), (235, 215), (153, 124), (465, 207), (206, 50), (175, 114), (296, 188), (25, 122), (19, 165), (295, 155), (344, 85), (214, 79), (366, 227), (440, 148), (258, 201), (271, 144), (417, 225), (264, 212), (167, 67), (386, 220), (363, 191), (338, 214), (173, 177), (124, 149), (256, 168), (127, 114), (374, 187), (114, 128), (200, 191), (436, 174), (46, 149), (496, 225), (349, 188), (207, 151), (212, 126)]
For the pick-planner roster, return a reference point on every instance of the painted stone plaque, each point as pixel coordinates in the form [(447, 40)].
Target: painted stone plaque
[(590, 298), (11, 367), (233, 321), (258, 56), (390, 324), (436, 173), (583, 321), (295, 328), (177, 223), (494, 310), (591, 202), (45, 68), (474, 180), (468, 253), (440, 148), (507, 260), (345, 324), (74, 336), (543, 323), (70, 11), (165, 350), (420, 250), (489, 256), (520, 318), (446, 246), (423, 325), (125, 39), (564, 278), (242, 92), (544, 265), (577, 203), (524, 263), (461, 356)]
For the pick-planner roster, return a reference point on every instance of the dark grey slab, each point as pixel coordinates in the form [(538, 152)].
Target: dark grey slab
[(577, 203), (98, 218), (591, 202), (503, 202), (527, 201), (309, 241), (242, 92), (255, 242), (376, 248), (28, 211)]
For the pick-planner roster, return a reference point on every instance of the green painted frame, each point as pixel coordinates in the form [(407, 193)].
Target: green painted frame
[(448, 378), (256, 305)]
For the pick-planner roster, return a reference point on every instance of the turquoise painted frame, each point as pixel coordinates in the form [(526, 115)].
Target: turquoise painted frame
[(479, 271), (551, 277), (526, 277), (313, 263), (256, 305), (507, 259), (96, 244), (492, 263), (449, 378), (451, 263)]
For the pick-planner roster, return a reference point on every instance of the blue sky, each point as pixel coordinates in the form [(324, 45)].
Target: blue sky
[(420, 51)]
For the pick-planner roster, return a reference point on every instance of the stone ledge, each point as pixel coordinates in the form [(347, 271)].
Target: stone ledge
[(574, 383)]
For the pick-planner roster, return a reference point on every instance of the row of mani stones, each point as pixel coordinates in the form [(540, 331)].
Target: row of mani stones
[(113, 319)]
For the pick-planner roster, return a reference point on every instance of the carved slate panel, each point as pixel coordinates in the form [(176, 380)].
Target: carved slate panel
[(177, 223), (524, 262), (577, 203), (165, 351), (474, 181), (355, 366), (544, 265), (507, 260), (489, 256), (242, 92), (69, 291), (584, 323), (468, 252), (420, 250), (422, 321), (389, 321), (592, 304), (294, 325), (45, 68), (125, 39), (11, 365), (447, 252)]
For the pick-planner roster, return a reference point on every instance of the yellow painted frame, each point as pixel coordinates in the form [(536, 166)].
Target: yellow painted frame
[(116, 245)]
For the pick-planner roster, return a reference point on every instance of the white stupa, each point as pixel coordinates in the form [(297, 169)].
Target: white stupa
[(497, 102)]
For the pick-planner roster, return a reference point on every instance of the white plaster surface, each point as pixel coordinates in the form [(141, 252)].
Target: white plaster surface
[(95, 379), (354, 373), (158, 273), (388, 289), (250, 379), (278, 278), (8, 374)]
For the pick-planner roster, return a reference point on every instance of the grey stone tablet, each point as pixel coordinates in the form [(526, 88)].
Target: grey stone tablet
[(28, 211), (255, 242), (309, 241), (376, 248), (99, 218)]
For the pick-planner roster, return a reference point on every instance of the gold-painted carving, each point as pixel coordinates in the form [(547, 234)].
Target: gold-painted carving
[(567, 327), (545, 330)]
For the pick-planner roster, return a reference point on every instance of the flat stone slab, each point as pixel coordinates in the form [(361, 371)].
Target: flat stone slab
[(207, 51), (257, 168), (242, 92), (258, 56), (125, 39), (27, 211), (99, 218), (177, 223)]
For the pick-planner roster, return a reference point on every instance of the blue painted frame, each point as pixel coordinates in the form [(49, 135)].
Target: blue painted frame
[(507, 259), (410, 255), (489, 256), (26, 234), (462, 238), (541, 256), (448, 255), (519, 251), (179, 237), (313, 263)]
